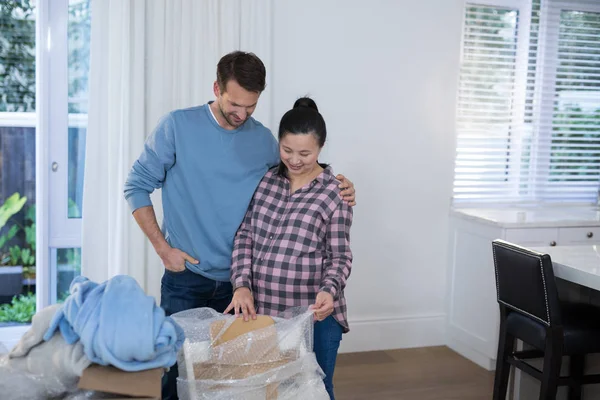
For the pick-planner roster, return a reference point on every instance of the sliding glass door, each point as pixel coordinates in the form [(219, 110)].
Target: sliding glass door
[(62, 68)]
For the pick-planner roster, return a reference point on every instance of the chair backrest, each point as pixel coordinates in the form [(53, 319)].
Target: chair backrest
[(525, 282)]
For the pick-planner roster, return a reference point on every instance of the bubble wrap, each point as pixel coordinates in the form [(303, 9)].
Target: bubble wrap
[(25, 386), (224, 358)]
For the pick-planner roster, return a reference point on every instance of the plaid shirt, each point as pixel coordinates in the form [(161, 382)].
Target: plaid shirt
[(291, 247)]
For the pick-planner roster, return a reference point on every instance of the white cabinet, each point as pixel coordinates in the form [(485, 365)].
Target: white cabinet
[(472, 309), (559, 236), (532, 236), (579, 236)]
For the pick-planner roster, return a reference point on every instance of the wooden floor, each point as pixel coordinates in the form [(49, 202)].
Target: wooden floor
[(431, 373)]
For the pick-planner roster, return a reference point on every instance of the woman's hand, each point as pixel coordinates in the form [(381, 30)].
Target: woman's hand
[(323, 306), (242, 303), (347, 190)]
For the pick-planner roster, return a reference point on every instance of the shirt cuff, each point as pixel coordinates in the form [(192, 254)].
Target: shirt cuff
[(329, 288), (139, 200), (240, 282)]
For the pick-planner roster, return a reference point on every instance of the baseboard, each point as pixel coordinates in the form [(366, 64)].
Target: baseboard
[(469, 353), (394, 333)]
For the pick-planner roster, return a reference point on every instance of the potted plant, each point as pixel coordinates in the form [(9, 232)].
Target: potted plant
[(11, 274)]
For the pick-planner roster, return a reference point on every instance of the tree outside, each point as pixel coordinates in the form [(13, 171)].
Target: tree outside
[(17, 55)]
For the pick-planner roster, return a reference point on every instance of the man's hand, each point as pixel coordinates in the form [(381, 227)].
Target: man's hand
[(348, 192), (323, 306), (242, 303), (174, 259)]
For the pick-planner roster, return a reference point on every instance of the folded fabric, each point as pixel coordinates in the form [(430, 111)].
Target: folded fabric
[(38, 369), (118, 324)]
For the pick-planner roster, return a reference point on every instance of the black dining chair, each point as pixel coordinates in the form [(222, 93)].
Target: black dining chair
[(530, 310)]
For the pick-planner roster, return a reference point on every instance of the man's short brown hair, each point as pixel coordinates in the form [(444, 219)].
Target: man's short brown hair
[(244, 68)]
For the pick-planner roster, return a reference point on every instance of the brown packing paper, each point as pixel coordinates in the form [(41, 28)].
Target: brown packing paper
[(205, 371), (238, 327), (140, 385), (237, 351)]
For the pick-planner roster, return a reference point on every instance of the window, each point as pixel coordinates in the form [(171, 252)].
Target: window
[(528, 114), (64, 99), (68, 266), (17, 161), (42, 148), (78, 68)]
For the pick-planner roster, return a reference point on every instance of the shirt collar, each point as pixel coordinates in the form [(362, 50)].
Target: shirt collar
[(325, 177)]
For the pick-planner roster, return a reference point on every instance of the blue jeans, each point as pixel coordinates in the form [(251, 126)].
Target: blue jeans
[(183, 291), (328, 335)]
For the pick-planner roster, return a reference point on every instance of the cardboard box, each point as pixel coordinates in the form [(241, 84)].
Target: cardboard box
[(263, 345), (210, 371), (144, 385), (239, 327), (242, 359)]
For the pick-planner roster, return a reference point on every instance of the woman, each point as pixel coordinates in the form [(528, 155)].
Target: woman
[(293, 247)]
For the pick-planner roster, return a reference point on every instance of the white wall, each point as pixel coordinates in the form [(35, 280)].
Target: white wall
[(384, 75)]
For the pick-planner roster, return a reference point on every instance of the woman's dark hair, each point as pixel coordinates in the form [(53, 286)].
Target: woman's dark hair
[(244, 68), (303, 119)]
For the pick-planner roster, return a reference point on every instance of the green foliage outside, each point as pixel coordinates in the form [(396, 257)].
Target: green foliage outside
[(21, 309)]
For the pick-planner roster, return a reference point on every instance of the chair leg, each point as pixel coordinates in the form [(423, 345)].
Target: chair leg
[(552, 363), (576, 370), (506, 345)]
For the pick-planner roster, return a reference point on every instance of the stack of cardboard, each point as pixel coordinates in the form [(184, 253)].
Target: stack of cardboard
[(143, 385)]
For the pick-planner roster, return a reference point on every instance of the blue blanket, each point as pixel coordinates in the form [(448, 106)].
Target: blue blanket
[(118, 324)]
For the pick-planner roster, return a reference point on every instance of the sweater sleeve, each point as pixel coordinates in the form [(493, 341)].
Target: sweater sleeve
[(149, 170)]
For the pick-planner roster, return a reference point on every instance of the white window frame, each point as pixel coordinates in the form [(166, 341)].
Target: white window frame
[(546, 74), (523, 7), (42, 140), (54, 227), (520, 96), (64, 231)]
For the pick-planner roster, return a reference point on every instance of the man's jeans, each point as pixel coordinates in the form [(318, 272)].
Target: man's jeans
[(183, 291)]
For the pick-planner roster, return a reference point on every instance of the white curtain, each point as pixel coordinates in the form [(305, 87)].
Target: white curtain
[(148, 58)]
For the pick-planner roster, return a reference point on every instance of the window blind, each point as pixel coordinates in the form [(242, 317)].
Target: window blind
[(528, 109)]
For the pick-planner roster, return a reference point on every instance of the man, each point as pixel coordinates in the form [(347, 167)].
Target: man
[(208, 160)]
